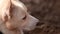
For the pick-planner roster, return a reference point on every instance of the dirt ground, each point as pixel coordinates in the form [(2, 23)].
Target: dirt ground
[(48, 12)]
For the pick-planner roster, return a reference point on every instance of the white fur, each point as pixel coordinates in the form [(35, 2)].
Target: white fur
[(16, 24)]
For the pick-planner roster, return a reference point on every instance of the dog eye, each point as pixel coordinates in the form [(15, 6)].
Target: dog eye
[(1, 32), (24, 17)]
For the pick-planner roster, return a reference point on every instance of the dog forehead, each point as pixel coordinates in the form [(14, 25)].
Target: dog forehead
[(19, 13), (19, 9)]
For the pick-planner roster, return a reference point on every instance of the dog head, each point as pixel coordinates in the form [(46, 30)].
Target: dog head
[(20, 18)]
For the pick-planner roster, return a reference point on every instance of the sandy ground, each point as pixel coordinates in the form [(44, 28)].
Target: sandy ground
[(48, 12)]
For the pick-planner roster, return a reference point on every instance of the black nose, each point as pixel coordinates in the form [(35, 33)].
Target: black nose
[(1, 32)]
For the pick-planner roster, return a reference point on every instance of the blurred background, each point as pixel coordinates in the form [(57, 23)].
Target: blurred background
[(48, 12)]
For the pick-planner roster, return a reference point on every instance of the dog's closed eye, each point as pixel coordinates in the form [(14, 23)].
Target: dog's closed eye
[(24, 17), (1, 32)]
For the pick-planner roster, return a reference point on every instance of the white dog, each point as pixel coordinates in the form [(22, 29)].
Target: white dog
[(14, 17)]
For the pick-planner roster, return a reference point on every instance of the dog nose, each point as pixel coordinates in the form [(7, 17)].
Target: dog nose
[(34, 20)]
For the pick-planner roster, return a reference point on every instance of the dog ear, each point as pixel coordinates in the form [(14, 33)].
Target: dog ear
[(5, 9), (19, 4)]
